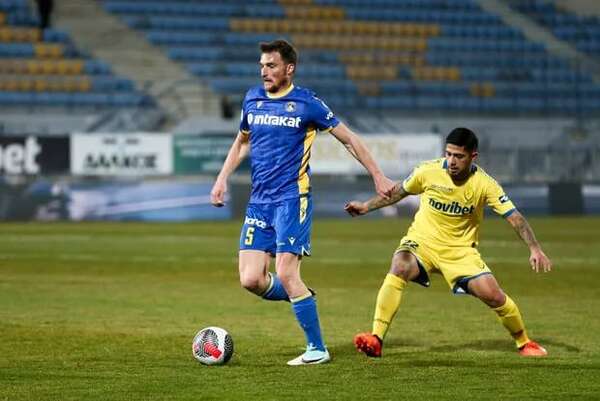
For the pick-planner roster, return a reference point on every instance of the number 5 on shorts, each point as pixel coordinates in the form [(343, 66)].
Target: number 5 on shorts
[(249, 236)]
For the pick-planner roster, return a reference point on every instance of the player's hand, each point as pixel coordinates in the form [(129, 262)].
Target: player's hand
[(356, 208), (217, 194), (384, 186), (538, 259)]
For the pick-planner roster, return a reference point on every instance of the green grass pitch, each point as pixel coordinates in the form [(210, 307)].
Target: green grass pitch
[(108, 312)]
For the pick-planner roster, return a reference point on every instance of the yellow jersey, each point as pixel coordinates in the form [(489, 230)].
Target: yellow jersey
[(450, 214)]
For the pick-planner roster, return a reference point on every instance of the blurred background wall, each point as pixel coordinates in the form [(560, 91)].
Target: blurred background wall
[(124, 110)]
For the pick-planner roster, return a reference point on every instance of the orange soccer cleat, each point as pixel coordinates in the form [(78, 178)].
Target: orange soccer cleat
[(368, 343), (532, 349)]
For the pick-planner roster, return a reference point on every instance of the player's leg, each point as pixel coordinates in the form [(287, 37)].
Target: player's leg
[(292, 225), (404, 268), (486, 288), (304, 306), (253, 268), (257, 244)]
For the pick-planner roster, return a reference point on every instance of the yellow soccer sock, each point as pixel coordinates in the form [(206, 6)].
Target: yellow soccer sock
[(388, 302), (510, 317)]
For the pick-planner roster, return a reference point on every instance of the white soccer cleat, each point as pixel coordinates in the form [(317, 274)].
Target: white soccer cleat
[(311, 357)]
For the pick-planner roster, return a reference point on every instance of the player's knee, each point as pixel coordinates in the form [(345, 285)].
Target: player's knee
[(494, 298), (404, 267), (252, 283)]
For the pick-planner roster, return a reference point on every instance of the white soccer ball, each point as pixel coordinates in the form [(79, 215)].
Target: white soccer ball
[(212, 346)]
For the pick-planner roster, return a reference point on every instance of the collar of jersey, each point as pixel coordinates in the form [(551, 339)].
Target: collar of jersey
[(280, 94), (445, 166)]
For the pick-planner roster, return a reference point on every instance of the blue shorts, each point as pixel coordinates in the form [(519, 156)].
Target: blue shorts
[(277, 227)]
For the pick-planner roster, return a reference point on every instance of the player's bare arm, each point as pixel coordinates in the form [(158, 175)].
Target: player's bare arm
[(538, 258), (360, 152), (238, 151), (357, 208)]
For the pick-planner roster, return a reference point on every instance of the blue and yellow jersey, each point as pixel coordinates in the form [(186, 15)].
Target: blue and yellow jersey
[(451, 214), (282, 130)]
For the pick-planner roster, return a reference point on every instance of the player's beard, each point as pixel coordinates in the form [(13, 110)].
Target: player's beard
[(276, 86), (460, 175)]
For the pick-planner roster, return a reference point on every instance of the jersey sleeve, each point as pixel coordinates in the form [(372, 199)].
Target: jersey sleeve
[(413, 184), (244, 126), (322, 116), (497, 199)]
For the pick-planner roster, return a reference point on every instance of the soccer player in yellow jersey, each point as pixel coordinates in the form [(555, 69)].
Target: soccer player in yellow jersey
[(444, 237)]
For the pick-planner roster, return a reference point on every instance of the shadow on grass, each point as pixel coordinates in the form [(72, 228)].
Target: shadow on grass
[(498, 345)]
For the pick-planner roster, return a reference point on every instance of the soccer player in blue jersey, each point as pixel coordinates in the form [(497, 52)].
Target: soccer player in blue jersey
[(278, 126)]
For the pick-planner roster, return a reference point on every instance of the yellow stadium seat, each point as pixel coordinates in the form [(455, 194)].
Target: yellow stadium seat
[(7, 66), (5, 35), (85, 85), (384, 28), (314, 12), (280, 26), (488, 89), (417, 61), (64, 67), (32, 67), (11, 85), (310, 26), (235, 24), (53, 85), (40, 85), (26, 85), (77, 67), (369, 88), (48, 51), (48, 67), (300, 41), (434, 30), (34, 35), (358, 28), (270, 25), (475, 90), (389, 72), (328, 28), (77, 84), (454, 74), (351, 72), (11, 34)]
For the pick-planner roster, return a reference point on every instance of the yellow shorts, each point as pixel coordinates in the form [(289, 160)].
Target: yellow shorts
[(458, 265)]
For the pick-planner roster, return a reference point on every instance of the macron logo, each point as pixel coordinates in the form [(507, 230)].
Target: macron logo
[(279, 121)]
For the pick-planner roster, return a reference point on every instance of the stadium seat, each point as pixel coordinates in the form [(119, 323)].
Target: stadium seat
[(450, 51)]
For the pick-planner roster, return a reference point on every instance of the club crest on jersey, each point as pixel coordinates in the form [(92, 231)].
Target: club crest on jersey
[(290, 107), (278, 121)]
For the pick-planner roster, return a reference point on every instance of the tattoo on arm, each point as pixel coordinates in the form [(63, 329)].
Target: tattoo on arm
[(524, 230), (398, 193)]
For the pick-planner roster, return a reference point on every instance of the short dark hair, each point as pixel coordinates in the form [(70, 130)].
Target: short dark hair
[(463, 137), (289, 55)]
